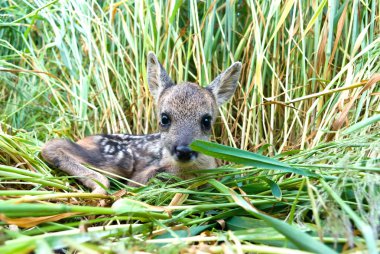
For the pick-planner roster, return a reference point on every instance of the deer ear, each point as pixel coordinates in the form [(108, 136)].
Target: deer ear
[(224, 85), (158, 79)]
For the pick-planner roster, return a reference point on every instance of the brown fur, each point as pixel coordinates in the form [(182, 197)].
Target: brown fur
[(189, 107)]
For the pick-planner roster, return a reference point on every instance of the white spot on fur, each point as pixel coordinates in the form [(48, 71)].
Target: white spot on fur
[(119, 155)]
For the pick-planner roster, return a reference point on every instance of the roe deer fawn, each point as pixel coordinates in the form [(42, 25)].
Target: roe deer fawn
[(186, 112)]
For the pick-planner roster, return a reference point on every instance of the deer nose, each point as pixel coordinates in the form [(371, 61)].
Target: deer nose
[(184, 153)]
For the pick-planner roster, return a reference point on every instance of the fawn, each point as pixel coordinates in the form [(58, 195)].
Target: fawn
[(186, 112)]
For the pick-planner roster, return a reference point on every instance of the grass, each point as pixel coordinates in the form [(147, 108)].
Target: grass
[(308, 97)]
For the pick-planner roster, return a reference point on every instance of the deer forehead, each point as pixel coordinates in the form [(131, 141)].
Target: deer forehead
[(187, 99)]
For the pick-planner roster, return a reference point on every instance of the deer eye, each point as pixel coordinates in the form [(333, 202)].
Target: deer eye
[(206, 122), (165, 120)]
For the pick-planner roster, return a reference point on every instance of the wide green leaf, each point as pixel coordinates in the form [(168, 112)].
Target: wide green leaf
[(244, 157)]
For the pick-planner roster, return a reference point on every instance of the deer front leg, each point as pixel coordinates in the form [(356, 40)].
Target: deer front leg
[(68, 156)]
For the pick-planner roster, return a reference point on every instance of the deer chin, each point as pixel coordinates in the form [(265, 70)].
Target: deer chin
[(200, 161), (182, 165), (189, 169)]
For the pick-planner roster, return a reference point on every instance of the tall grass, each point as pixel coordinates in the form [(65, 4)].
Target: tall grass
[(309, 95), (79, 67)]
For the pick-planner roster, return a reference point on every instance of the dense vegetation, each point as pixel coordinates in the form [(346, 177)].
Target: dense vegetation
[(308, 96)]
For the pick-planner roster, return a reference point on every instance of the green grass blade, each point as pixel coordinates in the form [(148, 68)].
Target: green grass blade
[(366, 230), (296, 236), (362, 124)]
